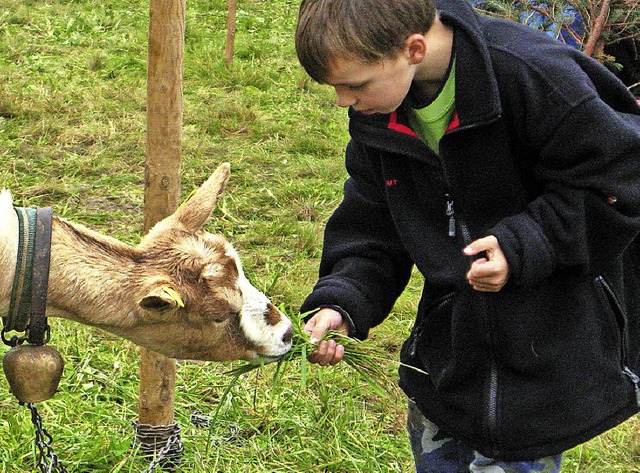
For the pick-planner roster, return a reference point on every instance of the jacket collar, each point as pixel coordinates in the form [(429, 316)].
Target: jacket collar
[(477, 96)]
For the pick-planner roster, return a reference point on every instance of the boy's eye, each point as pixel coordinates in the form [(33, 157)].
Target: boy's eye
[(357, 86)]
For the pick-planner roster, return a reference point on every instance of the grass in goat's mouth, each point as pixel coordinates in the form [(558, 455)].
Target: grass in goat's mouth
[(359, 356)]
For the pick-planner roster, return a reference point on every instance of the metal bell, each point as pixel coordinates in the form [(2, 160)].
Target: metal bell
[(33, 371)]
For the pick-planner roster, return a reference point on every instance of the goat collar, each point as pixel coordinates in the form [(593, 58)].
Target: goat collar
[(31, 281)]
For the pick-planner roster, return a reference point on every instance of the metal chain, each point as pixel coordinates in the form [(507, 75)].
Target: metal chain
[(163, 460), (200, 420), (161, 442), (149, 437), (204, 421), (47, 459), (168, 457)]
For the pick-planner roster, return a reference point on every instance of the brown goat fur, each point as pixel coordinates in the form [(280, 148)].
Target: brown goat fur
[(180, 292)]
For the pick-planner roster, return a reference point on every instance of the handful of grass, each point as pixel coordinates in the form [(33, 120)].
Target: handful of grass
[(359, 356)]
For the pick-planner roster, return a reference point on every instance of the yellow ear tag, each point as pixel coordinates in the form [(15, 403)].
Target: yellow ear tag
[(173, 295), (187, 199)]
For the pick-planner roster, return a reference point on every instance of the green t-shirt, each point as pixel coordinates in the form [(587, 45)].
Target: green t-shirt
[(431, 121)]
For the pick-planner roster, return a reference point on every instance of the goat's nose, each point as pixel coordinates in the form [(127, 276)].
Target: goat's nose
[(288, 336)]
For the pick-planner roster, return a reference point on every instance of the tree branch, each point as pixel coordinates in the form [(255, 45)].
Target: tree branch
[(596, 32)]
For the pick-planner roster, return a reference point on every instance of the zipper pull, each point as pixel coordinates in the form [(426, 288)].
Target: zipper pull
[(635, 380), (413, 347), (451, 214)]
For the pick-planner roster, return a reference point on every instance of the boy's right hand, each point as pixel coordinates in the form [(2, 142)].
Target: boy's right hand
[(328, 351)]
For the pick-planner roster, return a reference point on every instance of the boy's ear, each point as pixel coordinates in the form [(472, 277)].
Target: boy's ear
[(415, 48)]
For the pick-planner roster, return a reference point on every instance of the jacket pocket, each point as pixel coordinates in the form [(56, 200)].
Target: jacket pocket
[(614, 309), (423, 316), (429, 347)]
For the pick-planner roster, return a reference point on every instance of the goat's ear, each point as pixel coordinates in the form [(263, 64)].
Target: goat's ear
[(195, 211), (160, 299)]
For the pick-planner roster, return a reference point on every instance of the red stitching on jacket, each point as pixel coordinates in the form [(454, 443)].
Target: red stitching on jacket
[(394, 125), (455, 122)]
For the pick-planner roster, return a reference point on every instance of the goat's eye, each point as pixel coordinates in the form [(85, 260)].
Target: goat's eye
[(226, 316)]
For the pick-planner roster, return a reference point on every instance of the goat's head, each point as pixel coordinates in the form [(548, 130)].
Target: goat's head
[(196, 301)]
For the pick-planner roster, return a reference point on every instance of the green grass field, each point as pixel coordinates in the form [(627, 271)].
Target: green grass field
[(72, 135)]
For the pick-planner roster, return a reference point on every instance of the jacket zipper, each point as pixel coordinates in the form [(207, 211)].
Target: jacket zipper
[(611, 296), (492, 404), (492, 401), (450, 212), (492, 390), (635, 380)]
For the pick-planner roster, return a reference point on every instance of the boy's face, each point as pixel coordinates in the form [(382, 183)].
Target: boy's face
[(378, 87)]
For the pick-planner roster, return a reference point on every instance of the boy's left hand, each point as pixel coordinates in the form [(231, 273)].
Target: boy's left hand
[(328, 352), (488, 274)]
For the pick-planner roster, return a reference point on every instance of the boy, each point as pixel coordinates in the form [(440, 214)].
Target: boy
[(506, 167)]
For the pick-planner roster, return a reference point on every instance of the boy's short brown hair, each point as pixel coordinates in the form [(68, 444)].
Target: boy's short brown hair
[(366, 30)]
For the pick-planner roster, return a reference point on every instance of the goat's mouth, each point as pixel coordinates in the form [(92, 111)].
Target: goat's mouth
[(273, 351), (269, 359), (260, 359), (269, 356)]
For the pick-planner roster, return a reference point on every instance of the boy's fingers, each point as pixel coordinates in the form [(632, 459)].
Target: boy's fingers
[(317, 333), (339, 354), (321, 323), (490, 273), (315, 328), (475, 270), (487, 277), (327, 353), (482, 269), (480, 245)]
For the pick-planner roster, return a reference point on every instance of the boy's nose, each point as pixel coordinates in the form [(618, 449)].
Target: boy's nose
[(344, 99)]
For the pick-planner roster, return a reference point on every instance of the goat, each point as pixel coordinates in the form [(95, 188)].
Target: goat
[(180, 292)]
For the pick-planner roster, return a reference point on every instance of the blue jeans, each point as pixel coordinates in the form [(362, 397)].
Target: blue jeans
[(434, 453)]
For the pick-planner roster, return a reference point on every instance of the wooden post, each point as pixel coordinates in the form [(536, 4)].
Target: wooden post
[(231, 31), (162, 177)]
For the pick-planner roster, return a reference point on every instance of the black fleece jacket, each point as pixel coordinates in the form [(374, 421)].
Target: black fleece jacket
[(543, 153)]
